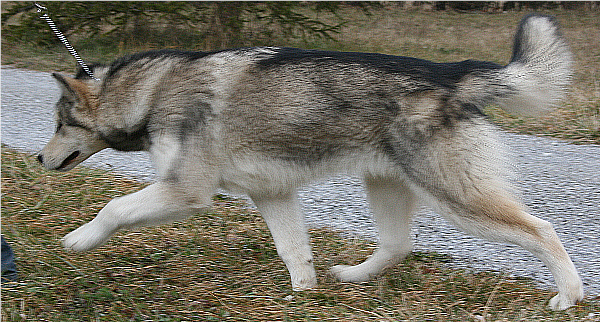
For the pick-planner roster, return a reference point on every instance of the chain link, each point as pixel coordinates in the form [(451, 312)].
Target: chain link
[(64, 40)]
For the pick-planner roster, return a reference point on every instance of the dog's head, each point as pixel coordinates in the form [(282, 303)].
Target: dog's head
[(75, 138)]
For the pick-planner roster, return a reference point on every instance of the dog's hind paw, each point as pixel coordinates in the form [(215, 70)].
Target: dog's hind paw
[(559, 302), (353, 274), (86, 237)]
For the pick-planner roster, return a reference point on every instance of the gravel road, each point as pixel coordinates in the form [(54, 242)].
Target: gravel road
[(560, 182)]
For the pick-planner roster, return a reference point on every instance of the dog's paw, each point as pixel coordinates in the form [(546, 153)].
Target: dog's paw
[(303, 282), (353, 274), (562, 302), (304, 285), (86, 237)]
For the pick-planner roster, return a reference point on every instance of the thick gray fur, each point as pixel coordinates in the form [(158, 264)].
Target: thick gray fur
[(265, 121)]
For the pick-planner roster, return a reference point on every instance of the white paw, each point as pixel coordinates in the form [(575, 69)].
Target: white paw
[(304, 285), (304, 279), (86, 237), (346, 273), (559, 302)]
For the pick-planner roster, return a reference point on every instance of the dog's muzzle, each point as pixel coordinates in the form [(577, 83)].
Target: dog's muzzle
[(65, 163)]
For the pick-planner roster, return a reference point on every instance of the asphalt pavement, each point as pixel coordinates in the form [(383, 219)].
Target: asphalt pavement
[(560, 182)]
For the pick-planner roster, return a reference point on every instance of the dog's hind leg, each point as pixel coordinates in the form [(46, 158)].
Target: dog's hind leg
[(393, 204), (156, 204), (492, 213), (461, 168), (286, 223)]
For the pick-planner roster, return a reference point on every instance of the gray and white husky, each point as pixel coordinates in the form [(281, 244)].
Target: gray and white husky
[(265, 121)]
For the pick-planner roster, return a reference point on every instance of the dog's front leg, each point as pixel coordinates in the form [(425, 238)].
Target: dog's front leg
[(156, 204), (286, 223)]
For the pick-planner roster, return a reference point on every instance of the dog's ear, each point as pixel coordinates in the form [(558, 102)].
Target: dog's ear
[(75, 90)]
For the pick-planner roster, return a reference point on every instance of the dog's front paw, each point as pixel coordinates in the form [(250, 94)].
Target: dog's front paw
[(86, 237), (303, 280), (303, 285)]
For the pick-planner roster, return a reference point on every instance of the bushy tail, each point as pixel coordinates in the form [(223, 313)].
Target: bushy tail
[(540, 70)]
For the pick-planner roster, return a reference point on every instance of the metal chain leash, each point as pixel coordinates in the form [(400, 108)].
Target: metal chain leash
[(64, 40)]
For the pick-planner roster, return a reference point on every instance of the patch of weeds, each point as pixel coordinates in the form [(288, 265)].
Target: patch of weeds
[(220, 266)]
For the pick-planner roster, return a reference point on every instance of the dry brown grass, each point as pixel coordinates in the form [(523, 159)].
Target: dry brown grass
[(438, 36), (223, 265), (220, 266), (451, 36)]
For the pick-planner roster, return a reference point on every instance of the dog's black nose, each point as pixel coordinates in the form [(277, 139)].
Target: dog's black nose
[(40, 158)]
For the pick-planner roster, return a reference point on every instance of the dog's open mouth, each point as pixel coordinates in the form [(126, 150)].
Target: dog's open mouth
[(69, 160)]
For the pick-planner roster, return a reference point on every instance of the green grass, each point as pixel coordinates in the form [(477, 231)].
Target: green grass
[(220, 266)]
